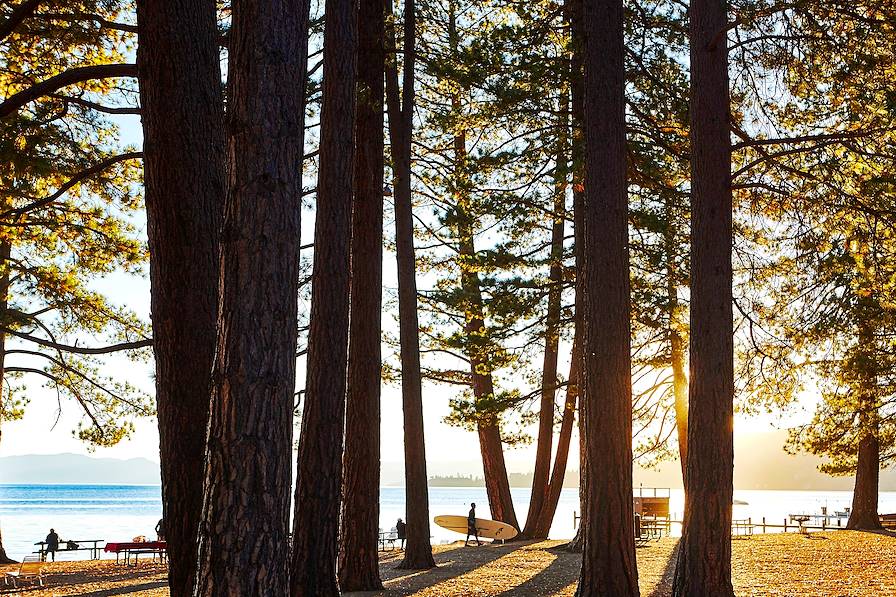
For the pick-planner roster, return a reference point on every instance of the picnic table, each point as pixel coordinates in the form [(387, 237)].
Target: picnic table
[(154, 548), (389, 537), (801, 519), (79, 545)]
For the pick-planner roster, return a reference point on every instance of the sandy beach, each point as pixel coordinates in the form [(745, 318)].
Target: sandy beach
[(842, 563)]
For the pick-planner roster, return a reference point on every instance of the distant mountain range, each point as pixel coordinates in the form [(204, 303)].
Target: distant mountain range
[(77, 469), (760, 463)]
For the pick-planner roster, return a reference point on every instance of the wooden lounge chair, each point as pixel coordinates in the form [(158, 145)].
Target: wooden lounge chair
[(30, 569)]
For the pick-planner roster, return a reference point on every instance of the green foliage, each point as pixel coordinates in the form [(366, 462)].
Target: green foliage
[(818, 210), (69, 208)]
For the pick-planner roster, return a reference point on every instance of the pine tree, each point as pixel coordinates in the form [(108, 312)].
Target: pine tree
[(243, 539), (183, 132), (359, 531), (67, 196), (401, 102)]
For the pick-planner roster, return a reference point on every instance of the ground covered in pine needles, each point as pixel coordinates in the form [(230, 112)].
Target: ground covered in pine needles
[(839, 563)]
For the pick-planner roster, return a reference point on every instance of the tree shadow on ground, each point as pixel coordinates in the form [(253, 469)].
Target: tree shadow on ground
[(663, 587), (129, 590), (882, 532), (448, 566), (556, 576)]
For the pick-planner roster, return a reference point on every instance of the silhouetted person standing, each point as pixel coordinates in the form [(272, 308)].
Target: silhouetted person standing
[(471, 526), (401, 529), (160, 529), (52, 542)]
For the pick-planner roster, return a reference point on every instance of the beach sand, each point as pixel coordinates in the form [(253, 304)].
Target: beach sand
[(842, 563)]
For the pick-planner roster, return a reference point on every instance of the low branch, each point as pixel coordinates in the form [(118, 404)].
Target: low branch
[(84, 16), (64, 79), (96, 106), (79, 349)]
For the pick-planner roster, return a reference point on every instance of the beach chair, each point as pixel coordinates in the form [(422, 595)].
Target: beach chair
[(30, 569)]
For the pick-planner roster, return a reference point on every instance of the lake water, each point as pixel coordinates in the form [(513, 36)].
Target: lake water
[(120, 512)]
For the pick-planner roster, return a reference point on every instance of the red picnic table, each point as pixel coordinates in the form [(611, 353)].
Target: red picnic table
[(155, 548)]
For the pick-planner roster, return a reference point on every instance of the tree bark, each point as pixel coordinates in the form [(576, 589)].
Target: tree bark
[(359, 531), (864, 512), (243, 539), (183, 132), (549, 508), (400, 105), (608, 559), (319, 476), (864, 515), (704, 557), (544, 443)]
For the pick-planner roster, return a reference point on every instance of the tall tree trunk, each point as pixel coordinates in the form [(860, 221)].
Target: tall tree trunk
[(359, 531), (549, 508), (400, 104), (704, 557), (183, 131), (5, 252), (319, 474), (680, 394), (544, 443), (864, 514), (243, 538), (608, 559), (677, 351), (497, 486), (573, 9)]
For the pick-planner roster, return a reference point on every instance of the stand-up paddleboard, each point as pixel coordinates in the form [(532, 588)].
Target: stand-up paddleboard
[(488, 529)]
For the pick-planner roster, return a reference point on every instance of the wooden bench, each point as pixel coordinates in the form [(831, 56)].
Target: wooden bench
[(80, 545), (888, 521)]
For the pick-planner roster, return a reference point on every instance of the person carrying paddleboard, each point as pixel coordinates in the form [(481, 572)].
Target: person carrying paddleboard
[(471, 526)]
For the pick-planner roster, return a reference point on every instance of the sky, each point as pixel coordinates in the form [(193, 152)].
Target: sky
[(47, 430)]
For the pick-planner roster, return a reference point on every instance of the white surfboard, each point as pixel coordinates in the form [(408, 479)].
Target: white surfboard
[(488, 529)]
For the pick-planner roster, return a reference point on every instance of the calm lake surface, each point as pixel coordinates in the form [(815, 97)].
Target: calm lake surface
[(120, 512)]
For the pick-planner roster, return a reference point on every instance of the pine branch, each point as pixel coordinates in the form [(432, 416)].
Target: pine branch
[(78, 349), (74, 180), (64, 79)]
